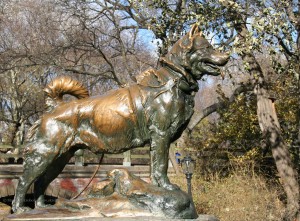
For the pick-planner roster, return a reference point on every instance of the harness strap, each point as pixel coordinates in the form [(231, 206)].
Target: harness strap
[(136, 100)]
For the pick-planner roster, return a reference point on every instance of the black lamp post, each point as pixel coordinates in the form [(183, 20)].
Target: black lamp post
[(188, 166)]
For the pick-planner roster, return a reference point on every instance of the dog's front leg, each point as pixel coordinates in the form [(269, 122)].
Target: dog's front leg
[(159, 161)]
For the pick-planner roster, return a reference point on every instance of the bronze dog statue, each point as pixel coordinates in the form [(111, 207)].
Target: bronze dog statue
[(155, 110)]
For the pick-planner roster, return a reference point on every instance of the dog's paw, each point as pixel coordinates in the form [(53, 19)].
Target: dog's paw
[(43, 205), (22, 209)]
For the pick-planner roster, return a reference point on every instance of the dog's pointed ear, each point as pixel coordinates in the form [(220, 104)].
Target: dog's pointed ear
[(195, 30)]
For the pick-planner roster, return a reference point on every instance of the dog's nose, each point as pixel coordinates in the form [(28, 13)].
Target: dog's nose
[(220, 58)]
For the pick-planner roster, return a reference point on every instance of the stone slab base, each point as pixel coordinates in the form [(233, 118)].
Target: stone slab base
[(64, 215), (123, 197)]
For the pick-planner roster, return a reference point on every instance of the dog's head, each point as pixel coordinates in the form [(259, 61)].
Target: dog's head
[(194, 55)]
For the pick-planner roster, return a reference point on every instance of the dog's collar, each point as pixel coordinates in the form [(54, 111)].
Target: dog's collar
[(186, 84), (184, 75)]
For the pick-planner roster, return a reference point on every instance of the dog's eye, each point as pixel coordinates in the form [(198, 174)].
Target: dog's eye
[(201, 43)]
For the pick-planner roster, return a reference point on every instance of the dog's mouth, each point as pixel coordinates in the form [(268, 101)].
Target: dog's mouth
[(209, 68), (209, 64), (201, 68)]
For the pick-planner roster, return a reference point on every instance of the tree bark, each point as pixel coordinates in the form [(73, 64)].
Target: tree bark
[(270, 127)]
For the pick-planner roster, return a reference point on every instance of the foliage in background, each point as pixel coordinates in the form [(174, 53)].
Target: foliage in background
[(240, 196), (233, 139), (287, 96), (235, 135)]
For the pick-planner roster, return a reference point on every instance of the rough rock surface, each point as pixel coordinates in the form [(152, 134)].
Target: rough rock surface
[(122, 195), (127, 195), (4, 210)]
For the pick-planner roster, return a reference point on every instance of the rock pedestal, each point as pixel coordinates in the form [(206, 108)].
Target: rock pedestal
[(123, 195)]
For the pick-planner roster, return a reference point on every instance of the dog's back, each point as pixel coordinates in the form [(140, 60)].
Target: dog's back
[(106, 123)]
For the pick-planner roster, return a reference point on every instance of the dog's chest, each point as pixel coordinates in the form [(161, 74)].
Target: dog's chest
[(186, 103), (169, 111)]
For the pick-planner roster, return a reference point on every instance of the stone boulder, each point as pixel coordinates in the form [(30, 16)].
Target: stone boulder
[(124, 194)]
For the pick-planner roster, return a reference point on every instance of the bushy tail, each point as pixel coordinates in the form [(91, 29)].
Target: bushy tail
[(61, 86)]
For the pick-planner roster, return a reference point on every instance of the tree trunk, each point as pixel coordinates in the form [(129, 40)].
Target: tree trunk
[(296, 149), (270, 128)]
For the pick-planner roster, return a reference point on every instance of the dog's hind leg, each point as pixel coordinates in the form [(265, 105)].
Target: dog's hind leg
[(52, 172), (35, 164)]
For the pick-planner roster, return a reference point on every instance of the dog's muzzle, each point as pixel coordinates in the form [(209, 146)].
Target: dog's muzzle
[(209, 64)]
